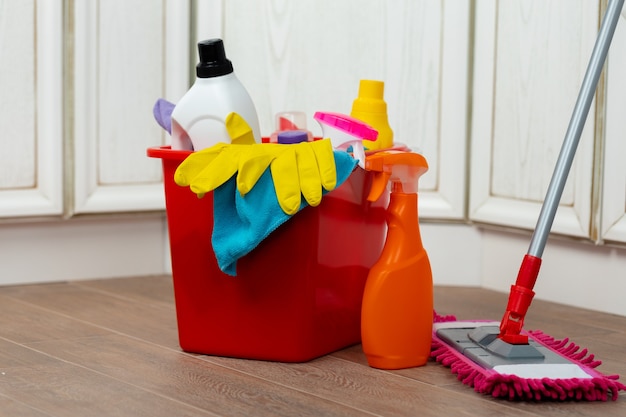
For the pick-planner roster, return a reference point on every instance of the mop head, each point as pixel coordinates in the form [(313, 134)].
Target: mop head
[(565, 373)]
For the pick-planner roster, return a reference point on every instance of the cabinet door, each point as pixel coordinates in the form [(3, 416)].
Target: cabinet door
[(310, 56), (31, 159), (530, 58), (127, 54), (614, 181)]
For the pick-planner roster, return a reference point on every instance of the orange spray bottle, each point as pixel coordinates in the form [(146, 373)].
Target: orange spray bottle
[(397, 311)]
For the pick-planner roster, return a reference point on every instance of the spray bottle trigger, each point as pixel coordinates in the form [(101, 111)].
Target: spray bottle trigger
[(404, 167), (379, 184)]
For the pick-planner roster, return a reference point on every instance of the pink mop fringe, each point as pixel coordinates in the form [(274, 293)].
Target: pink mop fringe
[(598, 388)]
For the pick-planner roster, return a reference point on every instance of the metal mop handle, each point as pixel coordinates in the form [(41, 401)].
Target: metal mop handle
[(522, 293), (575, 128)]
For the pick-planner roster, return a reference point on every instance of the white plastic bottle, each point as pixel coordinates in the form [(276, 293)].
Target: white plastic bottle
[(198, 120)]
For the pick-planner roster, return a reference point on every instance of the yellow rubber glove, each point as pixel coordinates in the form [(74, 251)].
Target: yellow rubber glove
[(286, 180), (305, 169), (325, 158), (207, 169), (255, 161), (240, 133), (239, 130), (301, 169), (196, 163)]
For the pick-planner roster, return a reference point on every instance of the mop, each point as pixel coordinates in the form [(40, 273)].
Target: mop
[(500, 358)]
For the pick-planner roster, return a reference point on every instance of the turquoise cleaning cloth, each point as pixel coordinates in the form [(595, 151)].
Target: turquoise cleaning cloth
[(241, 223)]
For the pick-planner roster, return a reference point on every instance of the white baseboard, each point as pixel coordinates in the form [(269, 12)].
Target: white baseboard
[(574, 273), (81, 249), (454, 251)]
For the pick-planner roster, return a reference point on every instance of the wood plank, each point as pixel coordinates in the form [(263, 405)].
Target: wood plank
[(119, 337), (190, 379), (153, 289), (59, 388), (114, 359), (148, 321), (13, 408), (22, 322), (431, 373), (388, 393)]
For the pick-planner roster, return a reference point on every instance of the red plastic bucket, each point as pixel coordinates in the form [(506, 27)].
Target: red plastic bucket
[(296, 296)]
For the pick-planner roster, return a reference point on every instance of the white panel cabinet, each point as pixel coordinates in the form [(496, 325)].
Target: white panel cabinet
[(310, 56), (121, 57), (127, 54), (31, 156), (614, 178), (530, 58)]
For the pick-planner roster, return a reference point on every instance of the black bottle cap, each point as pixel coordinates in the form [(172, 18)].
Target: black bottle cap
[(213, 61)]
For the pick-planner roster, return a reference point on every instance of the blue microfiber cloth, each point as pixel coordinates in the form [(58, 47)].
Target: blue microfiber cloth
[(241, 223)]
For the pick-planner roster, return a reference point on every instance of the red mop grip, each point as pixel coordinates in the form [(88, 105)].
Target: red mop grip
[(520, 297), (528, 272)]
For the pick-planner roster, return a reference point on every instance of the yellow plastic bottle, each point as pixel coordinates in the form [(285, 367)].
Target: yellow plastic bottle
[(371, 108), (397, 310)]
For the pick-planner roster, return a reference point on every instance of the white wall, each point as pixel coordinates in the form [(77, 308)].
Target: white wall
[(572, 272), (454, 251), (38, 251)]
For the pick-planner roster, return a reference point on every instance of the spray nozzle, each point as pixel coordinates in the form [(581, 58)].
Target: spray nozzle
[(402, 169), (345, 131)]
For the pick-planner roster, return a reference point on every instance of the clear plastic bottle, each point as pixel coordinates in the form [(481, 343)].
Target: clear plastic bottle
[(198, 120)]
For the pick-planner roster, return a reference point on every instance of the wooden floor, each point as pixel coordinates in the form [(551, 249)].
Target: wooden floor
[(110, 348)]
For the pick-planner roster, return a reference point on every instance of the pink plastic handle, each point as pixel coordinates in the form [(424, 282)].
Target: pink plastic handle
[(347, 124)]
